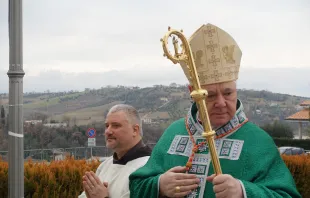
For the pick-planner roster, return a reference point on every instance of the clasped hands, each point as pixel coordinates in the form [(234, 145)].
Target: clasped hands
[(176, 183), (93, 187)]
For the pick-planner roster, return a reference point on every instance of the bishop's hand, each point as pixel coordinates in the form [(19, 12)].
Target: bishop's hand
[(176, 183), (225, 185)]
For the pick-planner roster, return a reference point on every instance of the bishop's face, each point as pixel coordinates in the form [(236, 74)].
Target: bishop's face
[(221, 102)]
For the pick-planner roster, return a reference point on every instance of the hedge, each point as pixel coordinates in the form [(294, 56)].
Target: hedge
[(299, 165), (63, 178), (55, 179), (304, 143)]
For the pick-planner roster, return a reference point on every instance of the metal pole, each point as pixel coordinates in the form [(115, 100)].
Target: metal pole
[(16, 74), (91, 152)]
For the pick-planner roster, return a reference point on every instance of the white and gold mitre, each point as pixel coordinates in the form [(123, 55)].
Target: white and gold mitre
[(217, 55)]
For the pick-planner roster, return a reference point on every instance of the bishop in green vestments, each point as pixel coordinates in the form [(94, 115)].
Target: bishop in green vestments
[(180, 164)]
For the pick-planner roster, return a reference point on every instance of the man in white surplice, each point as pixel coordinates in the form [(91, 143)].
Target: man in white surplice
[(123, 135)]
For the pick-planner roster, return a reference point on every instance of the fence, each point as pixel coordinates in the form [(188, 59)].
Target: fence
[(61, 153)]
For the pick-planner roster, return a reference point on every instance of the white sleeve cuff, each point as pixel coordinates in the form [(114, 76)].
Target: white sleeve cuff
[(158, 193), (243, 189)]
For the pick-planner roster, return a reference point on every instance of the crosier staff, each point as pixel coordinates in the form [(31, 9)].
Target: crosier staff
[(198, 94)]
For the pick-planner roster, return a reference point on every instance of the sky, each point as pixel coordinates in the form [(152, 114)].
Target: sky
[(75, 44)]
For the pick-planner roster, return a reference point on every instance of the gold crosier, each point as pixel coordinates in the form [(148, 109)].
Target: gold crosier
[(198, 94)]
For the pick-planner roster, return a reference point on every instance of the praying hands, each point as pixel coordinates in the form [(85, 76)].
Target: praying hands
[(93, 187)]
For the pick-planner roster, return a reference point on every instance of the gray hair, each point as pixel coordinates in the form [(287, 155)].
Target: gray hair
[(130, 111)]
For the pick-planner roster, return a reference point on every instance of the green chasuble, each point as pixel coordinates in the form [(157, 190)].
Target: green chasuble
[(245, 151)]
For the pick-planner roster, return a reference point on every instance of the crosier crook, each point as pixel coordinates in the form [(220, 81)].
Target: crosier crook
[(198, 94)]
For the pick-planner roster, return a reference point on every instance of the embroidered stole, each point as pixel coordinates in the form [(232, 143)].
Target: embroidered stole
[(226, 148)]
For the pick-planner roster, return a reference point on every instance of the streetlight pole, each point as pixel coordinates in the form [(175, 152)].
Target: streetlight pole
[(16, 74)]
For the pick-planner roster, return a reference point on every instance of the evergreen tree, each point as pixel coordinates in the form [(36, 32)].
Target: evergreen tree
[(279, 130), (2, 116)]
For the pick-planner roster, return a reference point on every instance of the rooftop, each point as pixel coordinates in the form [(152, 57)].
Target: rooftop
[(300, 115), (305, 103)]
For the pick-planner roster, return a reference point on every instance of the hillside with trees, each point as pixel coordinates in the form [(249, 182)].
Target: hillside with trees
[(158, 106)]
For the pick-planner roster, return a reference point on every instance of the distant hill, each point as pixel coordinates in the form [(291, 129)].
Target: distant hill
[(159, 103), (158, 106)]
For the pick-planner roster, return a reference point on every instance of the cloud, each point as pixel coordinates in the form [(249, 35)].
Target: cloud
[(76, 44), (285, 80), (293, 81)]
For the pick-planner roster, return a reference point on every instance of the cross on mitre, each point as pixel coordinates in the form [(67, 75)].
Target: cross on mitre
[(217, 56)]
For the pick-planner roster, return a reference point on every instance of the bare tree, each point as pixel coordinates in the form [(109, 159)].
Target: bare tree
[(66, 119), (74, 121), (39, 116)]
